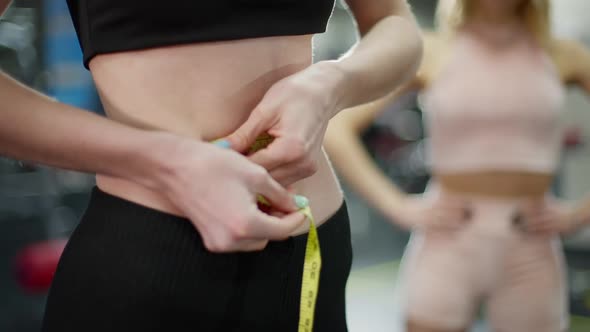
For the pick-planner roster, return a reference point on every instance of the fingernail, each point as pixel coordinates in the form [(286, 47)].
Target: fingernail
[(222, 143), (301, 201)]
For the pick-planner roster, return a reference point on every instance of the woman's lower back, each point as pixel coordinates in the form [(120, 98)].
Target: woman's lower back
[(203, 91)]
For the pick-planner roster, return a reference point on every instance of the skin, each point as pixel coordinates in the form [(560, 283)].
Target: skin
[(498, 21), (278, 92), (154, 148)]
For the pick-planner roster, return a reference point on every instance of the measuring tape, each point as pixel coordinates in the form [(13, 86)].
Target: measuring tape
[(312, 264), (311, 276)]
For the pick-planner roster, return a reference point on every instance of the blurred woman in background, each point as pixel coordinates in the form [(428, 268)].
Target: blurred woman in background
[(486, 230)]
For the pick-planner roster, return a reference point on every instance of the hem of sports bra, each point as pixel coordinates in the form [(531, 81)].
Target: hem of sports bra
[(127, 47)]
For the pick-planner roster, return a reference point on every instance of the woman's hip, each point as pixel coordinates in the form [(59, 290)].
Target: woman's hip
[(125, 261), (322, 189)]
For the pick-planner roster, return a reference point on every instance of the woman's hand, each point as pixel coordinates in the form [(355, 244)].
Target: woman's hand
[(549, 217), (217, 189), (431, 213), (295, 111)]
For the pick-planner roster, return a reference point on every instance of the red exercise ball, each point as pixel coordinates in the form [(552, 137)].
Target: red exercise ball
[(36, 264)]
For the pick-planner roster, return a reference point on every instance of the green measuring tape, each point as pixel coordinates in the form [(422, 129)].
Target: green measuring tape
[(312, 264)]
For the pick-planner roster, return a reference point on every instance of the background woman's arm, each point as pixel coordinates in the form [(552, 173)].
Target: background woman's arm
[(350, 156), (577, 58), (352, 160), (573, 61)]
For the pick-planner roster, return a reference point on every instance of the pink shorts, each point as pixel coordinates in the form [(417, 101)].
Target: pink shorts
[(517, 278)]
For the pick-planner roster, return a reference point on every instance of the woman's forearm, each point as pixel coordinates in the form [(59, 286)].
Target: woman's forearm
[(581, 212), (355, 165), (388, 54), (36, 128)]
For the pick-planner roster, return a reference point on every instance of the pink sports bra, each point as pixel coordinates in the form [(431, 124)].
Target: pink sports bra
[(494, 110)]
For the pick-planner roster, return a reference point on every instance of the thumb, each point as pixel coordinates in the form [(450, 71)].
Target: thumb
[(244, 137)]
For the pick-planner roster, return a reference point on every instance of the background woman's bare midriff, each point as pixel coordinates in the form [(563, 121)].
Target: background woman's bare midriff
[(203, 91), (506, 184)]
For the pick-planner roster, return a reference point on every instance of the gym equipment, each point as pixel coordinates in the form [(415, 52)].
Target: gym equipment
[(35, 265)]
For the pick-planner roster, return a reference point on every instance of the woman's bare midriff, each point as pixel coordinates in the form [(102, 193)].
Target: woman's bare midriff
[(203, 91), (503, 184)]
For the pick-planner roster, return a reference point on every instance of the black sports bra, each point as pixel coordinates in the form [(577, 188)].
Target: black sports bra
[(105, 26)]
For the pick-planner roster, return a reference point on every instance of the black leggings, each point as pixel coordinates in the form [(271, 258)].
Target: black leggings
[(131, 268)]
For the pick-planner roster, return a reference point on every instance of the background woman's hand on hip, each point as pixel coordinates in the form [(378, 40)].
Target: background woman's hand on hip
[(431, 213)]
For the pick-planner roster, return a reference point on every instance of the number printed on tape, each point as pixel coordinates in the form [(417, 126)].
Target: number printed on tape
[(312, 264)]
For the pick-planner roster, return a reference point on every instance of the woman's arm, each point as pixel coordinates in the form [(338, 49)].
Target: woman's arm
[(387, 55), (54, 136), (356, 166), (65, 137), (195, 176), (352, 160), (573, 60), (296, 110), (348, 153), (36, 128)]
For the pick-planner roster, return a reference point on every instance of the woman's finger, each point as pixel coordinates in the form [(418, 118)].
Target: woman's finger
[(245, 136), (276, 154)]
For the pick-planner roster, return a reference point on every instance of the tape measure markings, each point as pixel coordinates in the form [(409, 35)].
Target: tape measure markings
[(312, 263)]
